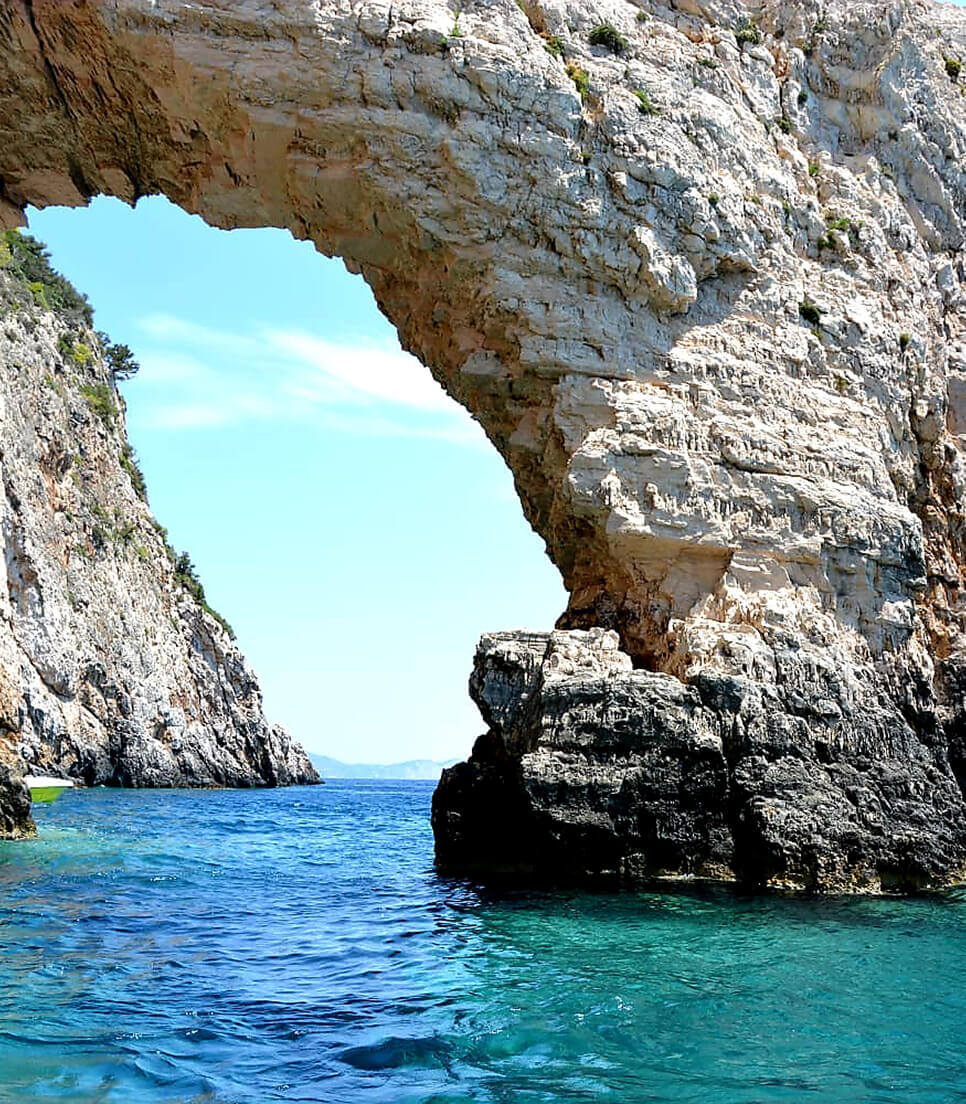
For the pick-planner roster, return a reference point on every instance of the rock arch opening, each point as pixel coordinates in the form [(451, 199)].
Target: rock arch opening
[(703, 291), (342, 513), (518, 304)]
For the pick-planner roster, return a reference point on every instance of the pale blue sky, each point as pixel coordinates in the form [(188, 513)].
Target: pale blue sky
[(346, 516)]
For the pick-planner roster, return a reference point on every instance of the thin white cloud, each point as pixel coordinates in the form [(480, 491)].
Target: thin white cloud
[(195, 377), (183, 416), (385, 374)]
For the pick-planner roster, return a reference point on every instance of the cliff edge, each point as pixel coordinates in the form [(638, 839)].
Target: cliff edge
[(113, 668)]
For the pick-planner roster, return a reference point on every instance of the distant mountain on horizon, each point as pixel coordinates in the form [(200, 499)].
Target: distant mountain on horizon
[(411, 769)]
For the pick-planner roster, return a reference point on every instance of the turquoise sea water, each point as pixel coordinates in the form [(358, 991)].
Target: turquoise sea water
[(297, 945)]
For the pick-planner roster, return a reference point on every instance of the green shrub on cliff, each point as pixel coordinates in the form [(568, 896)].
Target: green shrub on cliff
[(100, 398), (30, 261), (186, 576), (25, 257), (81, 354), (129, 462), (608, 36), (580, 79), (810, 312), (39, 291), (77, 352), (749, 32), (119, 358)]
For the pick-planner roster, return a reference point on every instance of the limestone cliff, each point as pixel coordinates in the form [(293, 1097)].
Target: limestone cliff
[(696, 267), (113, 669)]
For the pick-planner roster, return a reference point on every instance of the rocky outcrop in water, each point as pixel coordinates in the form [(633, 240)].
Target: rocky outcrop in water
[(591, 768), (113, 669), (696, 267), (15, 819)]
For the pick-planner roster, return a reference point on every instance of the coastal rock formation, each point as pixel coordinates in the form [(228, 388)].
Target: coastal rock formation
[(15, 819), (592, 768), (697, 269), (113, 669)]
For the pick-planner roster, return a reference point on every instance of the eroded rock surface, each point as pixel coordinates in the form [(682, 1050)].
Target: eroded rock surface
[(702, 287), (15, 819), (592, 768), (112, 671)]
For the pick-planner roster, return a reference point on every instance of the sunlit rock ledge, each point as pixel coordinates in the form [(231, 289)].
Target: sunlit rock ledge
[(697, 271)]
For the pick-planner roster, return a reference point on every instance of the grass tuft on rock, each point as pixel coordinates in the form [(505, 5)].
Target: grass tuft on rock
[(608, 36), (810, 312), (748, 32), (644, 104)]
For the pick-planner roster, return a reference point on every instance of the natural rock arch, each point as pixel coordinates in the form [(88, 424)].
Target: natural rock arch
[(703, 291)]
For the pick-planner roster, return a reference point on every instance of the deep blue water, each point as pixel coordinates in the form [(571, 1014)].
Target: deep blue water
[(297, 945)]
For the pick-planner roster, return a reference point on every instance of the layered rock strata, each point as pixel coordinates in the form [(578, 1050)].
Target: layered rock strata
[(697, 270), (113, 669)]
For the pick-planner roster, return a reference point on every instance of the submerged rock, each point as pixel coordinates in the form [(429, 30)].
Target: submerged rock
[(113, 668)]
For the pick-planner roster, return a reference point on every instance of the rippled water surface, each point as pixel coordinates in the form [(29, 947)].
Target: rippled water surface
[(296, 945)]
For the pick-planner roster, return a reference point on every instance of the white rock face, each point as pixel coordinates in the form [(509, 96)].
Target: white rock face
[(111, 669), (703, 289)]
